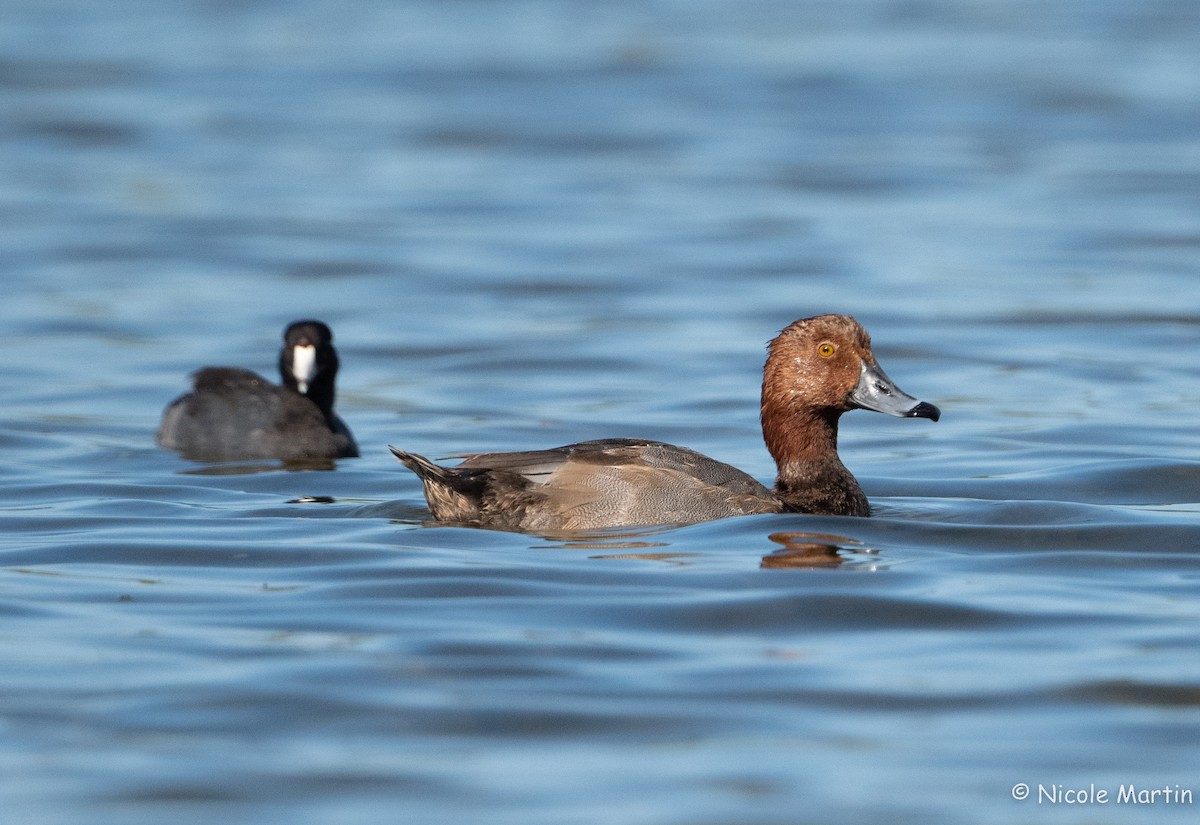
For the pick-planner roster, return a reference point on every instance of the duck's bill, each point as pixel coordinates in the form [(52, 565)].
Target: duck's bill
[(876, 392)]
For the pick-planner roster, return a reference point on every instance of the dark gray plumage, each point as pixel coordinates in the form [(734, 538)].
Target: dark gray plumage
[(233, 413)]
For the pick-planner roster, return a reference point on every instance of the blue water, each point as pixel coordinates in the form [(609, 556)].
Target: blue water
[(531, 223)]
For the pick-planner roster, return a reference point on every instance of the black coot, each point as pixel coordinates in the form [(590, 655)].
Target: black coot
[(233, 413)]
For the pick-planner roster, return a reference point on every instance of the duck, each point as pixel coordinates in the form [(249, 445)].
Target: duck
[(817, 368), (233, 413)]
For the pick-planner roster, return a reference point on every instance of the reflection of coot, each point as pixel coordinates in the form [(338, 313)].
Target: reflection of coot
[(235, 413)]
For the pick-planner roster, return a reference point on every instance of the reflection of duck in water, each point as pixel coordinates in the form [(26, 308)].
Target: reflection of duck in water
[(799, 550), (806, 550), (816, 369)]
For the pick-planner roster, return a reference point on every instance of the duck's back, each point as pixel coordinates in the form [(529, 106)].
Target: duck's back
[(236, 413), (606, 483)]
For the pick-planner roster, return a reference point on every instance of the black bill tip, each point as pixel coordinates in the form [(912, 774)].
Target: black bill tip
[(924, 410)]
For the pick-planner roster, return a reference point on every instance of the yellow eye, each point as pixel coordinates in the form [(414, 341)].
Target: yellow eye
[(826, 349)]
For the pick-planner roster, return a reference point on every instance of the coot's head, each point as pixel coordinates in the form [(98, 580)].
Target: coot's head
[(308, 362)]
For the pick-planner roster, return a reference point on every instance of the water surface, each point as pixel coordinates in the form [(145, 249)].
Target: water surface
[(532, 223)]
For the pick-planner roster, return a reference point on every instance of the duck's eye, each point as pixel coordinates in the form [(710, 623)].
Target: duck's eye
[(827, 349)]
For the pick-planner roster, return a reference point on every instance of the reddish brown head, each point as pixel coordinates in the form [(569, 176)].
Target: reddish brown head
[(818, 368)]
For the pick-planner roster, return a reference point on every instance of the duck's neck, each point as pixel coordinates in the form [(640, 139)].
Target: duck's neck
[(812, 478)]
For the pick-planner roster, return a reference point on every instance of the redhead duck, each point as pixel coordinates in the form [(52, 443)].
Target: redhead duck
[(234, 413), (817, 368)]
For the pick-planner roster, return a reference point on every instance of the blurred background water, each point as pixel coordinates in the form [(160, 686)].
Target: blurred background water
[(536, 222)]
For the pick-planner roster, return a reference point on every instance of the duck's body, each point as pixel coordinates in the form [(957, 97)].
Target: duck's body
[(233, 413), (816, 369), (609, 482)]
